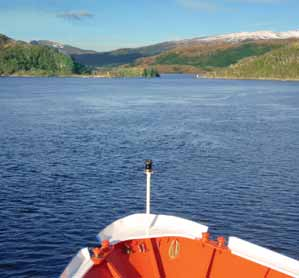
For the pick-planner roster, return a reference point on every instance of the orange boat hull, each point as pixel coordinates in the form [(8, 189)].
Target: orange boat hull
[(174, 257), (155, 245)]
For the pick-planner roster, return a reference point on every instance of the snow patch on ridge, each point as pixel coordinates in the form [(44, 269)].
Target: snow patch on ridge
[(243, 36)]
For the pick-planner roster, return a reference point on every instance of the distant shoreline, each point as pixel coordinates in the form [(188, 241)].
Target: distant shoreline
[(58, 76), (250, 78), (71, 76), (117, 77)]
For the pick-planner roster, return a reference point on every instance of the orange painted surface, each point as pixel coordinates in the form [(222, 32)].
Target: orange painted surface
[(174, 257)]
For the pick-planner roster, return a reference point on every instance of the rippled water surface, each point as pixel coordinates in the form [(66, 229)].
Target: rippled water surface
[(226, 154)]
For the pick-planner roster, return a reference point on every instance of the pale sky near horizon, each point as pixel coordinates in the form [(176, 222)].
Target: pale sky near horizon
[(106, 25)]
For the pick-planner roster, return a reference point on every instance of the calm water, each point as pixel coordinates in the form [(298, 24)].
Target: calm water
[(226, 154)]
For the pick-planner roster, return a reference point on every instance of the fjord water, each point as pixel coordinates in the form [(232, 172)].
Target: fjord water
[(226, 154)]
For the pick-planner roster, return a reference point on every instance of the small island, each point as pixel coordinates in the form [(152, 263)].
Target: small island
[(124, 71)]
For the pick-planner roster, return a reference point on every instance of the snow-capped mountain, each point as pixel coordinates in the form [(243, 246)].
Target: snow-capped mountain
[(252, 36)]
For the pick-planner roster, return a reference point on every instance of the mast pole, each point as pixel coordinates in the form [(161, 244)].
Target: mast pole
[(148, 171)]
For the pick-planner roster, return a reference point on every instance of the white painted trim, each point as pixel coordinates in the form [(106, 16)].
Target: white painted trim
[(264, 256), (79, 265), (139, 226)]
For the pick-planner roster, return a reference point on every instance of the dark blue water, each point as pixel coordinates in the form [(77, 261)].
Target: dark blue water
[(226, 154)]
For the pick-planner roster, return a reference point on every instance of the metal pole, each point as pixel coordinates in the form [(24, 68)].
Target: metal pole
[(148, 193), (148, 171)]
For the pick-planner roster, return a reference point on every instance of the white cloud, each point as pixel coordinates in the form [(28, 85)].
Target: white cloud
[(75, 15)]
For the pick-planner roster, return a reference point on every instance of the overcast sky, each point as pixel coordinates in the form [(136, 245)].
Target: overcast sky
[(105, 25)]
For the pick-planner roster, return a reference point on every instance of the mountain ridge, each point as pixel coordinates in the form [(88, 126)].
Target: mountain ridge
[(63, 48), (261, 54), (130, 55)]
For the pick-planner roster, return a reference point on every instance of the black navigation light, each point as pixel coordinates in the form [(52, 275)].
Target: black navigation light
[(148, 165)]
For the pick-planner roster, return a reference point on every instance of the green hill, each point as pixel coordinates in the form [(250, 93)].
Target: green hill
[(20, 58), (4, 40), (281, 63), (272, 59), (203, 58), (121, 56), (214, 58)]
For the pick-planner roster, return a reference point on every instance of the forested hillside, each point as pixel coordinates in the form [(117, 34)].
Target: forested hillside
[(20, 58), (282, 63)]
